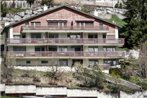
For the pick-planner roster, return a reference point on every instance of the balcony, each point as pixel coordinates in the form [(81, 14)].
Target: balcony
[(67, 55), (102, 29), (64, 41)]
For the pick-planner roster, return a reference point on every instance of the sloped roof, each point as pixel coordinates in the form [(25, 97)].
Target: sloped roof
[(57, 8)]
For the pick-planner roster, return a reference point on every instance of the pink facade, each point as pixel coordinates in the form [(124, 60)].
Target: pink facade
[(65, 14)]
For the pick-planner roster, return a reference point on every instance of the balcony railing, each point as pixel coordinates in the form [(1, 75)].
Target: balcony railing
[(64, 41), (66, 54), (106, 28)]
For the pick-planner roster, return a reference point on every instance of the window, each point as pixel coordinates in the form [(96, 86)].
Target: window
[(35, 35), (92, 35), (28, 62), (62, 24), (92, 49), (26, 23), (110, 36), (89, 24), (19, 48), (36, 24), (39, 48), (85, 23), (107, 61), (111, 62), (80, 24), (16, 36), (57, 23), (64, 49), (104, 35), (74, 35), (52, 24), (23, 35), (111, 49), (93, 62), (53, 35), (63, 62), (101, 26), (44, 62), (52, 48)]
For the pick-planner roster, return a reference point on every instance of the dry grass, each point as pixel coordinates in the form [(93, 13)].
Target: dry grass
[(28, 77)]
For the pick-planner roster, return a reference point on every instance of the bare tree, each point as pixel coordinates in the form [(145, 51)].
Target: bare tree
[(7, 67), (143, 60), (54, 73), (90, 77)]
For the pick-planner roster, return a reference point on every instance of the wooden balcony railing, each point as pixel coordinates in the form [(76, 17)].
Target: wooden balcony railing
[(64, 41), (65, 54), (65, 28)]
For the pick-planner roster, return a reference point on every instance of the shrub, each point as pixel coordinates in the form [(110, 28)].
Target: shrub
[(35, 79), (115, 72), (25, 75), (114, 88), (134, 79), (143, 84)]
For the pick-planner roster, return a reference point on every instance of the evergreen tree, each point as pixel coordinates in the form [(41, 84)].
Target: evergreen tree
[(136, 28), (3, 9)]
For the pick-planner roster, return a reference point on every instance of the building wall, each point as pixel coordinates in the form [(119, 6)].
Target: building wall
[(63, 14), (70, 16)]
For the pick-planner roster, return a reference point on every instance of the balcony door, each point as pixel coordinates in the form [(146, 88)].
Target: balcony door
[(92, 36), (93, 62), (57, 23), (62, 49), (92, 49), (109, 49), (85, 24), (19, 48), (74, 36), (52, 35), (36, 35), (111, 62), (39, 48), (35, 24), (76, 48), (77, 61)]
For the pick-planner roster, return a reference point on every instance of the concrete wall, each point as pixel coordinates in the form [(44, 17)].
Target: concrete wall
[(20, 89), (81, 93), (135, 95), (51, 91), (45, 68), (63, 91)]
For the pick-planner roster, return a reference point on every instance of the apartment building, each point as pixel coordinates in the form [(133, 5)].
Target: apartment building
[(63, 36)]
